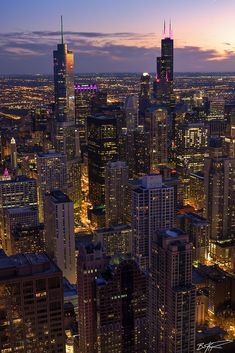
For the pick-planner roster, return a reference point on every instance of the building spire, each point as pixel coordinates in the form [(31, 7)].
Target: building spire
[(61, 29), (164, 30), (170, 31)]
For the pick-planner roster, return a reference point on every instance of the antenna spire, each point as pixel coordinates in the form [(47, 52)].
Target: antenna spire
[(61, 29), (164, 29), (170, 31)]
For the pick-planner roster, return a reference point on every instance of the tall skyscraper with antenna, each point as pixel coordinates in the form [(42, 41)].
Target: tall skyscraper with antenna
[(64, 81), (66, 138), (163, 84)]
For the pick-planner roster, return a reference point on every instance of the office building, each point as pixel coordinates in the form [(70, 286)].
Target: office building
[(59, 232), (153, 209), (163, 83), (90, 260), (31, 295), (172, 297), (102, 148), (65, 133), (13, 154), (191, 146), (52, 174), (121, 298), (17, 217), (84, 94), (144, 97), (116, 196), (131, 109), (114, 240)]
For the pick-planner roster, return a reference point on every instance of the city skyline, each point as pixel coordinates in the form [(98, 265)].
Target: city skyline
[(121, 37)]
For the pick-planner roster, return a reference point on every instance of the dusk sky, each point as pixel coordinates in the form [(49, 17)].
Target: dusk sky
[(116, 35)]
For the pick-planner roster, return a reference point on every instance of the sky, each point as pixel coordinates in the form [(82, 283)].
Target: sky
[(116, 35)]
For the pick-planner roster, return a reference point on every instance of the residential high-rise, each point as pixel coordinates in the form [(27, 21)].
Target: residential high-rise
[(144, 97), (52, 174), (121, 307), (219, 183), (90, 260), (131, 112), (198, 229), (153, 209), (13, 154), (156, 124), (59, 232), (172, 297), (31, 312), (116, 197), (102, 148)]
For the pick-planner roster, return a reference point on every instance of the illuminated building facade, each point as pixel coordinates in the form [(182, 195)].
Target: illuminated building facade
[(115, 240), (83, 107), (31, 295), (191, 146), (52, 174), (102, 148), (90, 260), (65, 134), (59, 232), (116, 197), (131, 108), (172, 296), (219, 182), (198, 229), (13, 154), (163, 84), (156, 125), (144, 96), (17, 217), (153, 208), (121, 308)]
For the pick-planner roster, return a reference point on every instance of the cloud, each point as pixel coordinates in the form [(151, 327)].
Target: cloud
[(100, 52)]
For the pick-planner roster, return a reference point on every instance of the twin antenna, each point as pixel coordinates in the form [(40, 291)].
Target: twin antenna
[(170, 31)]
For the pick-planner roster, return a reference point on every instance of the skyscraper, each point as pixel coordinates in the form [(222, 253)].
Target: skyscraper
[(153, 209), (31, 312), (90, 260), (13, 154), (156, 125), (52, 174), (172, 297), (116, 197), (131, 112), (59, 232), (121, 308), (84, 95), (102, 148), (219, 183), (163, 84), (144, 97), (64, 81), (65, 134)]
